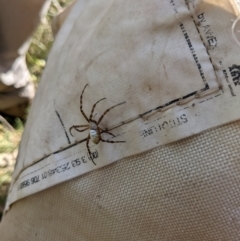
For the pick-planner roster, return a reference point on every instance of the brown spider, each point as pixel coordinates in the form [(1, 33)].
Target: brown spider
[(95, 131)]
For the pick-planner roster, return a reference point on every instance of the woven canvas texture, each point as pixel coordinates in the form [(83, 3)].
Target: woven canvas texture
[(187, 190)]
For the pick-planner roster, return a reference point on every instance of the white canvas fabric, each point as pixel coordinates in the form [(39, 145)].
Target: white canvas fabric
[(175, 65)]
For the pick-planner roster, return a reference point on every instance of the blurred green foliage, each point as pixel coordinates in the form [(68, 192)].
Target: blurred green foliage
[(43, 40), (9, 139)]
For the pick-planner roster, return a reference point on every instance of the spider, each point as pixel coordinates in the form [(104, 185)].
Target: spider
[(94, 130)]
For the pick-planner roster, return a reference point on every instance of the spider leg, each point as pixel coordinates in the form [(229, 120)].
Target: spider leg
[(76, 128), (111, 134), (90, 118), (88, 148), (106, 131), (106, 111), (81, 107)]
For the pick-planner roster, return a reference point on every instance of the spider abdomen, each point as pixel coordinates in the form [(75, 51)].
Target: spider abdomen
[(94, 135)]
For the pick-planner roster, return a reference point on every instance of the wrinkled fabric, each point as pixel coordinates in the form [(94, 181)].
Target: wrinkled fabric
[(188, 190), (176, 177)]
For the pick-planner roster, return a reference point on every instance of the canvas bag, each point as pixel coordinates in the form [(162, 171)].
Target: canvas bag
[(175, 64)]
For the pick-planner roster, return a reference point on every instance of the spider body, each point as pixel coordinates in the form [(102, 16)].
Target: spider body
[(94, 130), (94, 133)]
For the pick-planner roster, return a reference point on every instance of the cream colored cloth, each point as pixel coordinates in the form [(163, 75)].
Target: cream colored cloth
[(177, 175), (188, 190)]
